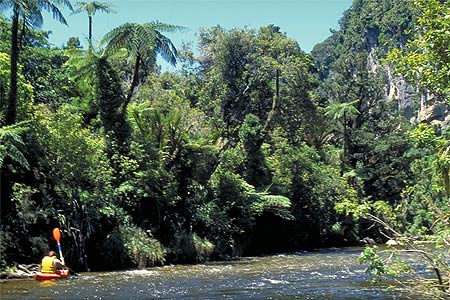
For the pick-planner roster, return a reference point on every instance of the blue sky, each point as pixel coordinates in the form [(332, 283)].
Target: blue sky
[(306, 21)]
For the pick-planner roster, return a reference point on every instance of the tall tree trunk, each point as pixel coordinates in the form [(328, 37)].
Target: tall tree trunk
[(90, 29), (6, 205), (275, 105), (3, 97), (11, 110), (134, 83), (345, 158)]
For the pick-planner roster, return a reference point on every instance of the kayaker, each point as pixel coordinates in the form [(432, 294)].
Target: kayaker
[(50, 263)]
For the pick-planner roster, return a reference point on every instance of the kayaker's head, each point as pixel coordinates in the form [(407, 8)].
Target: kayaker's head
[(52, 253)]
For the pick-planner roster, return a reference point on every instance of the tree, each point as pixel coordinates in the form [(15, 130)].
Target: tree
[(240, 69), (426, 58), (419, 223), (82, 70), (77, 178), (143, 42), (29, 12), (91, 8), (10, 142), (110, 103), (343, 111)]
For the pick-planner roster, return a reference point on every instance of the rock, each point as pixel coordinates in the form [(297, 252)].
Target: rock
[(392, 243), (367, 241)]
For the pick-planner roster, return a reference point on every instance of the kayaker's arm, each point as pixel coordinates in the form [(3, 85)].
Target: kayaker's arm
[(59, 264)]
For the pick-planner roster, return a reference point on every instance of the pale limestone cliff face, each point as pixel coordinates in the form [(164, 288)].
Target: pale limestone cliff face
[(415, 105), (418, 106), (433, 111), (400, 91)]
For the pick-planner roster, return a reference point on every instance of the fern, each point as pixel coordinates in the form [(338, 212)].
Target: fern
[(10, 142)]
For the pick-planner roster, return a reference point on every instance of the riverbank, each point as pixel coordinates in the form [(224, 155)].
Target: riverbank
[(19, 271)]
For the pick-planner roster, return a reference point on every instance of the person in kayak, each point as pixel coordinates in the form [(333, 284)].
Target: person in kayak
[(51, 264)]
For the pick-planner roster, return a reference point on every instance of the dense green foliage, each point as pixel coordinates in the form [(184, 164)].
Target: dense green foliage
[(399, 170), (253, 146), (425, 59)]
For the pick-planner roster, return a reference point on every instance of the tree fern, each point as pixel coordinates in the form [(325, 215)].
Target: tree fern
[(143, 43), (10, 141), (91, 8)]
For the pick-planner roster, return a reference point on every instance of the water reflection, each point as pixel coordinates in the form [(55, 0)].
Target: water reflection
[(327, 274)]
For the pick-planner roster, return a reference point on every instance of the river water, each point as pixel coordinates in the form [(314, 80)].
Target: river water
[(319, 275)]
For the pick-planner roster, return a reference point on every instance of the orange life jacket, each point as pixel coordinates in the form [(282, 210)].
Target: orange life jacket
[(47, 265)]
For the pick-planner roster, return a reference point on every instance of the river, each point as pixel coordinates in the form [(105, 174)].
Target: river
[(325, 274)]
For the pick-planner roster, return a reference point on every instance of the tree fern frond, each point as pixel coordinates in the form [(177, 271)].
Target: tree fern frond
[(167, 49), (148, 31), (276, 201), (21, 5), (65, 3), (92, 7), (142, 39), (143, 43), (16, 155), (163, 27), (10, 130), (6, 4), (54, 10), (338, 110), (117, 38), (34, 20), (276, 204), (3, 154), (124, 28), (9, 138)]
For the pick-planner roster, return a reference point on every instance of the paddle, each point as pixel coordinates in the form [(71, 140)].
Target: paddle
[(57, 237)]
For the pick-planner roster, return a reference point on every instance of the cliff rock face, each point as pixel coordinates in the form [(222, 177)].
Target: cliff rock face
[(375, 30), (414, 104), (397, 89), (433, 111)]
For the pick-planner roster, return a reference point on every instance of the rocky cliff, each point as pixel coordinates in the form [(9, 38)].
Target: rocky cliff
[(372, 28)]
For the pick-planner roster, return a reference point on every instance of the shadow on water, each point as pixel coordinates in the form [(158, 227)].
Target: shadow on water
[(325, 274)]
